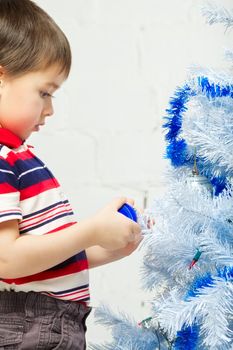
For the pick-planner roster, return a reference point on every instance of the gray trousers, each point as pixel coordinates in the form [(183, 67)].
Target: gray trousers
[(33, 321)]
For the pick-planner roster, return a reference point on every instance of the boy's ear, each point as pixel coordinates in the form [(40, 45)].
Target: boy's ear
[(2, 71), (3, 76)]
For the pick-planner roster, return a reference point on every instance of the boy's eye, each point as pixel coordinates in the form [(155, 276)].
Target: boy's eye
[(44, 94)]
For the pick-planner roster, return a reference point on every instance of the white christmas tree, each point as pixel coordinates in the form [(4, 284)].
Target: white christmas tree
[(188, 259)]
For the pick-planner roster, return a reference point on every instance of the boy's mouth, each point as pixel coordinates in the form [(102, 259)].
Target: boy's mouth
[(37, 127)]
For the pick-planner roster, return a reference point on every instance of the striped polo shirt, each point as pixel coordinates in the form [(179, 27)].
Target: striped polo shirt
[(30, 193)]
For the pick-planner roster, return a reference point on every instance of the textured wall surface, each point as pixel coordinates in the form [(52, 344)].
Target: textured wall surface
[(105, 138)]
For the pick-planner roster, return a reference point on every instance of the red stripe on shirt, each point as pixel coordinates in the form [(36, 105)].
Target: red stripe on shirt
[(37, 222), (82, 296), (11, 210), (38, 188), (62, 227), (73, 293), (78, 298), (47, 212), (12, 157), (6, 188), (77, 266)]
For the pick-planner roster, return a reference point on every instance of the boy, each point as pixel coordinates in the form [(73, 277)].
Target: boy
[(44, 253)]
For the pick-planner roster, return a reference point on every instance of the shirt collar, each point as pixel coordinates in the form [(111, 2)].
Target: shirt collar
[(9, 139)]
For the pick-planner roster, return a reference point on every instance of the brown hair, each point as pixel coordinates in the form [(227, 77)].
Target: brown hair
[(30, 40)]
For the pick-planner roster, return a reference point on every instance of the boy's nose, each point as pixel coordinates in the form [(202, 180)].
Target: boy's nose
[(48, 110)]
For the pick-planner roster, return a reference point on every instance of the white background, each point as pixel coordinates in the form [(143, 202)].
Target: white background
[(106, 138)]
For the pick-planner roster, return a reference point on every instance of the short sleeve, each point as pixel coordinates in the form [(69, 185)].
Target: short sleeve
[(9, 193)]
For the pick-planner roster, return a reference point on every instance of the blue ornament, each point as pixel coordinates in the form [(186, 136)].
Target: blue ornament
[(128, 211)]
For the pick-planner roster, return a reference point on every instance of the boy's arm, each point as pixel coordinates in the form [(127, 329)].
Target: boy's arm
[(24, 255), (28, 254), (98, 256)]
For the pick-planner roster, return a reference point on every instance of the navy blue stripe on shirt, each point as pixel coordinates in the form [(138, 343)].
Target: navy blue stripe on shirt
[(34, 177), (73, 259), (22, 165), (7, 175), (5, 165), (8, 178), (10, 214), (46, 222), (71, 290), (45, 209), (85, 299)]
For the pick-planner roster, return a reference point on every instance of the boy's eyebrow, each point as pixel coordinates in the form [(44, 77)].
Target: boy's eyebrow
[(55, 86)]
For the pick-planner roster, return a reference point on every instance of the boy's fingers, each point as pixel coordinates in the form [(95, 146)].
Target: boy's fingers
[(135, 237), (136, 233), (130, 201), (140, 210), (118, 202)]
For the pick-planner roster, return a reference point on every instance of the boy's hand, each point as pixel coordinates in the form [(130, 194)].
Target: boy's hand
[(127, 250), (112, 230)]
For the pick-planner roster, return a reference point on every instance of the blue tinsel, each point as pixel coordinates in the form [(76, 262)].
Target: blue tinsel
[(174, 113), (176, 149), (214, 90), (226, 273), (187, 338), (199, 283), (219, 184)]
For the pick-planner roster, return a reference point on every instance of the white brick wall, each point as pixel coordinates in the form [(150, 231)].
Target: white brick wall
[(128, 56)]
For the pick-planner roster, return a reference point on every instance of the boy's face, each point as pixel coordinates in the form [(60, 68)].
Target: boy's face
[(26, 101)]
